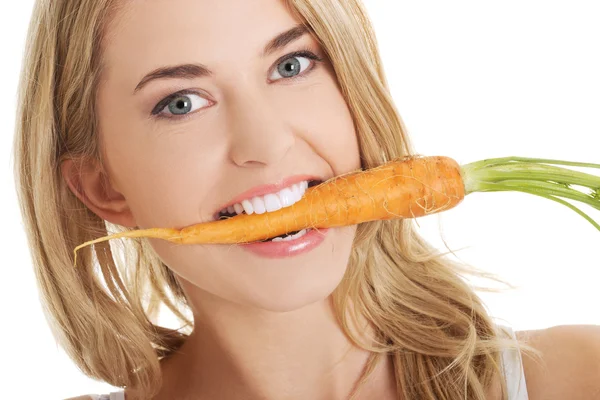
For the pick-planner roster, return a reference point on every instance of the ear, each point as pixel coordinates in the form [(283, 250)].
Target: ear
[(91, 185)]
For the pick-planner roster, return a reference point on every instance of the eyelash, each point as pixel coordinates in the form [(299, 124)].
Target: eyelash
[(156, 112)]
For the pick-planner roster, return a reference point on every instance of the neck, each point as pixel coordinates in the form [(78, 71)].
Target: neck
[(237, 352)]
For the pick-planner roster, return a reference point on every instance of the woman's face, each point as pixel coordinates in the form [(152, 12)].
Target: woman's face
[(182, 144)]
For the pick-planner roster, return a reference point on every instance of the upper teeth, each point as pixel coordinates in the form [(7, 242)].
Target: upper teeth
[(270, 202)]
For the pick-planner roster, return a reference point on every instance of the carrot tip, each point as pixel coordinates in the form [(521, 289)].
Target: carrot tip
[(172, 235)]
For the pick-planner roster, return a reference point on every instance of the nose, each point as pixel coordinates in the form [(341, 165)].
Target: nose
[(259, 135)]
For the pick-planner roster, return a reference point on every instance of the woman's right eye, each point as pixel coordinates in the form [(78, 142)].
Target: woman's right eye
[(179, 104)]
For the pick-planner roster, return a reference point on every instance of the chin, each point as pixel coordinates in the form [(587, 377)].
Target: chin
[(298, 294), (293, 284)]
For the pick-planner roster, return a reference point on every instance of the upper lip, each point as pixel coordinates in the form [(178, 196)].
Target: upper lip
[(262, 190)]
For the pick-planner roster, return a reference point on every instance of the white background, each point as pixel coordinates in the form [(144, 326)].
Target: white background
[(472, 80)]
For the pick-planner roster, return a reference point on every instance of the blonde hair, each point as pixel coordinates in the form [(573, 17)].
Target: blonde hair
[(443, 343)]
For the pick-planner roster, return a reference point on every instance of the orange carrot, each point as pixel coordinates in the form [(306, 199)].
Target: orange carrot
[(410, 187)]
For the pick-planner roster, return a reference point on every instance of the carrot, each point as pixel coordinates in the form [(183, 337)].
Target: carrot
[(410, 187)]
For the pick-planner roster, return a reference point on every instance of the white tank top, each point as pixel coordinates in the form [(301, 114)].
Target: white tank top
[(120, 395), (511, 362), (513, 370)]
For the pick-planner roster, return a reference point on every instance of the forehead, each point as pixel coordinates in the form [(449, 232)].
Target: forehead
[(146, 34)]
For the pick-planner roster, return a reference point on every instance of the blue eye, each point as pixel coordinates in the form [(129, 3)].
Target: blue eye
[(181, 104), (291, 67)]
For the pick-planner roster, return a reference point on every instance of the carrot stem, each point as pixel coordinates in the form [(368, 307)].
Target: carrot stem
[(540, 188), (545, 194), (533, 176)]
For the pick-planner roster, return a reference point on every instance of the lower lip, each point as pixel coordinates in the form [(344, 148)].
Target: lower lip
[(289, 248)]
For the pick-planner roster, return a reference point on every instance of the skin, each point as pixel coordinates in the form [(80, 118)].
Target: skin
[(264, 328)]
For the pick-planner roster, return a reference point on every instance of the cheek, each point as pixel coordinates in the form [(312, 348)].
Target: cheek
[(165, 183), (330, 128)]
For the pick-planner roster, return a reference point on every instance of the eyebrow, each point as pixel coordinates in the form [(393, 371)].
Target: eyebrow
[(191, 71)]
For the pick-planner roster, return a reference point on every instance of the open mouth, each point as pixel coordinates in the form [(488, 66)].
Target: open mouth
[(226, 214)]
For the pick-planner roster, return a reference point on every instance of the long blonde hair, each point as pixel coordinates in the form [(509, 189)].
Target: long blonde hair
[(443, 343)]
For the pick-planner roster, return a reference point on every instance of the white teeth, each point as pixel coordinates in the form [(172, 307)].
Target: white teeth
[(296, 236), (259, 205), (238, 208), (286, 197), (248, 207), (297, 192), (270, 202)]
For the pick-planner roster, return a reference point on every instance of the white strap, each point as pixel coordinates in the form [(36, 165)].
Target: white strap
[(513, 370), (117, 395)]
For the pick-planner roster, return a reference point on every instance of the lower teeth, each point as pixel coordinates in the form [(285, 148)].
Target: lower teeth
[(288, 238)]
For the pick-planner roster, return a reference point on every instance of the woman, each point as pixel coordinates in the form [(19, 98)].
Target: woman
[(166, 113)]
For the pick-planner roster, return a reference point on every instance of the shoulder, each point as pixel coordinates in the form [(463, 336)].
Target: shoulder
[(570, 362)]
